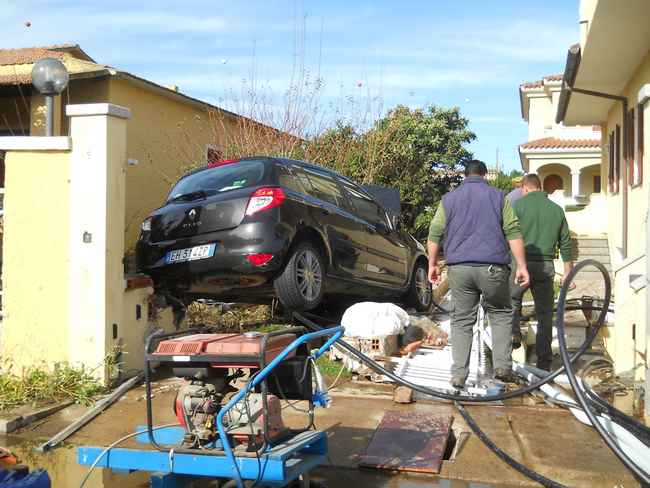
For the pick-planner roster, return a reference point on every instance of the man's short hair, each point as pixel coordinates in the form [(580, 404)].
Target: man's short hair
[(532, 181), (476, 168)]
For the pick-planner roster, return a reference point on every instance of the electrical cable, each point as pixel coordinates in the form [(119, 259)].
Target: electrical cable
[(302, 317), (436, 394), (533, 475), (117, 442), (581, 398), (457, 398)]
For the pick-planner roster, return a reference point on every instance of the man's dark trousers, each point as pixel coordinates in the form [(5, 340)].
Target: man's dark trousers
[(542, 275), (467, 284)]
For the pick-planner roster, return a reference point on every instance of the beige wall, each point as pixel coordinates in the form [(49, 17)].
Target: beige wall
[(629, 332), (164, 136), (35, 257), (540, 118)]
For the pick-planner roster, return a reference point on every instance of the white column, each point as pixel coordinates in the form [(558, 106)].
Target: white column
[(575, 184), (96, 239)]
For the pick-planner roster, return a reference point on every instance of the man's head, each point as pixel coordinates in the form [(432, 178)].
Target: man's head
[(476, 168), (531, 182), (517, 181)]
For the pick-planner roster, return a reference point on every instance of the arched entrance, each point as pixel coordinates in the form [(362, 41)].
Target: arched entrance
[(553, 182)]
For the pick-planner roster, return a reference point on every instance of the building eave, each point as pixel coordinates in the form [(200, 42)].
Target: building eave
[(617, 41)]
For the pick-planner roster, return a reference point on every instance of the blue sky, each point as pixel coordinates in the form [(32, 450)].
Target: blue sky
[(467, 53)]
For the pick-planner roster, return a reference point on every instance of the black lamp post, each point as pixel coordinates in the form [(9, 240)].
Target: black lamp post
[(50, 77)]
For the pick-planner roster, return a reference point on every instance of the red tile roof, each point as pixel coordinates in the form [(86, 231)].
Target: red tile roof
[(30, 55), (540, 83), (555, 143)]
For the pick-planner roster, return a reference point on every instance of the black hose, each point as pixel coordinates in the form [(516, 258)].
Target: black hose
[(533, 475), (636, 428), (448, 396), (470, 421), (639, 473)]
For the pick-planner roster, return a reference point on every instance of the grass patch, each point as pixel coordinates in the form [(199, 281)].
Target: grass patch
[(330, 369), (265, 329), (38, 385)]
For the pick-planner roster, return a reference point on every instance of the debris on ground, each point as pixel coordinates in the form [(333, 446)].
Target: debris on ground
[(403, 394)]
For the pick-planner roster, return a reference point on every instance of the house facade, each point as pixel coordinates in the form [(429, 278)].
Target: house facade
[(566, 158), (607, 82), (168, 130)]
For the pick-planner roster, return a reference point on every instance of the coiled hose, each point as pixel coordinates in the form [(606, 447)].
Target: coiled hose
[(581, 397), (502, 396)]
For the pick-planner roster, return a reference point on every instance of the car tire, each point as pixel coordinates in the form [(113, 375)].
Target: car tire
[(420, 294), (301, 284)]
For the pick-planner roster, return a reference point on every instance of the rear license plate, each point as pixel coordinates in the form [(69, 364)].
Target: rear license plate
[(190, 254)]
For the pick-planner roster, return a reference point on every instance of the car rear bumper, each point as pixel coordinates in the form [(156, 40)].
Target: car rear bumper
[(228, 267)]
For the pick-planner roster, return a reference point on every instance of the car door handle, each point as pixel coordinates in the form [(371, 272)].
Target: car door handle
[(326, 212)]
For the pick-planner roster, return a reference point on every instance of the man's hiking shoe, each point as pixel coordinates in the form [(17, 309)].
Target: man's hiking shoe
[(505, 375), (458, 381)]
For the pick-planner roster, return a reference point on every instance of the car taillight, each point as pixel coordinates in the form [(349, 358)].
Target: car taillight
[(265, 199), (146, 225), (259, 259)]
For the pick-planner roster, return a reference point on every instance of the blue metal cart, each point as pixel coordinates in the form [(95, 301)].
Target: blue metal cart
[(279, 465)]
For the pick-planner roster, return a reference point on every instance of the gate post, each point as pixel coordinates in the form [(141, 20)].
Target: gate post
[(96, 233)]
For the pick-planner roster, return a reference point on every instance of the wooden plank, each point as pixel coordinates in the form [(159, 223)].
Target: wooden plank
[(409, 441)]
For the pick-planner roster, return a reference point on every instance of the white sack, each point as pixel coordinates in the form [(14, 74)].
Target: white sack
[(367, 320)]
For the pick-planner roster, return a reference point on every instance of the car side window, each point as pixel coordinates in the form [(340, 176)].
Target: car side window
[(364, 206), (326, 188), (289, 180)]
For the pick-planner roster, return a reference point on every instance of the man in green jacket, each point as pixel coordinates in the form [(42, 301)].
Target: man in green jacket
[(544, 228)]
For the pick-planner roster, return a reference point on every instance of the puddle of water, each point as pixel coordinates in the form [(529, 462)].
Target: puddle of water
[(61, 464)]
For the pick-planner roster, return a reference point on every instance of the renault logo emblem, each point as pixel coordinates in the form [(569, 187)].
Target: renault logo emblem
[(192, 214)]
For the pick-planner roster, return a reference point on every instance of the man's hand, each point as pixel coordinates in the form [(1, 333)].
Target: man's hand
[(568, 266), (434, 274), (521, 276)]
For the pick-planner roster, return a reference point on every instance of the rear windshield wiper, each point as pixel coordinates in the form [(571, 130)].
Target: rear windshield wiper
[(193, 195)]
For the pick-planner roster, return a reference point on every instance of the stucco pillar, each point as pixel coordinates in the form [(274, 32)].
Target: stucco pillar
[(575, 185), (96, 235)]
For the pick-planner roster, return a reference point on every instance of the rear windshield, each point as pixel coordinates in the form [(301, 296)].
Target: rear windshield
[(231, 176)]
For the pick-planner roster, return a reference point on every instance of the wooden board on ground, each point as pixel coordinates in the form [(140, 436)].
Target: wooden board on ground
[(409, 441)]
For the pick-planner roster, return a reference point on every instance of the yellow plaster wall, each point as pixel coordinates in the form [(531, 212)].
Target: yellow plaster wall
[(37, 115), (133, 330), (35, 253), (164, 136), (630, 305)]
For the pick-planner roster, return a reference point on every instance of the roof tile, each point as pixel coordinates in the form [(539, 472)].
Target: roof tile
[(556, 143), (28, 55), (540, 83)]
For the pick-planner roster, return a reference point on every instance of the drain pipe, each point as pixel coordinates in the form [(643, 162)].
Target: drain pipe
[(568, 81)]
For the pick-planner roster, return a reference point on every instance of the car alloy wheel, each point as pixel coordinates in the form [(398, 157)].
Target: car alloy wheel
[(422, 286), (309, 275)]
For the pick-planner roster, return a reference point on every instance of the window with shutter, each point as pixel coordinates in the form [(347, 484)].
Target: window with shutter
[(639, 146), (629, 148), (617, 159), (610, 169)]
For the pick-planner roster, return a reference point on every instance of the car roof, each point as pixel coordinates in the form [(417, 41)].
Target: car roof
[(280, 160), (316, 167)]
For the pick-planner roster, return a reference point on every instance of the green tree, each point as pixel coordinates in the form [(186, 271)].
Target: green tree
[(420, 151), (503, 181)]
